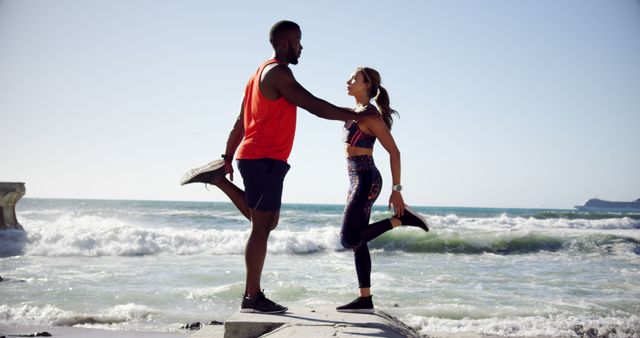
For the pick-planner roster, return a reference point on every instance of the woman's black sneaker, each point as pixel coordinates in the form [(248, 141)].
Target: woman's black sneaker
[(260, 304), (410, 217), (359, 305)]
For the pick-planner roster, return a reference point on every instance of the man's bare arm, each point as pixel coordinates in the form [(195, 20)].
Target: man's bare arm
[(236, 135), (282, 79)]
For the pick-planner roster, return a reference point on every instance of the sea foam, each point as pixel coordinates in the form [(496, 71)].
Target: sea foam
[(28, 314), (552, 325)]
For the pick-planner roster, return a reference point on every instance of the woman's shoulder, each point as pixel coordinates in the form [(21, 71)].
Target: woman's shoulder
[(372, 108), (376, 115)]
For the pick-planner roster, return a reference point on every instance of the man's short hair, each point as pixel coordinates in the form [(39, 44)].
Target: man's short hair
[(280, 29)]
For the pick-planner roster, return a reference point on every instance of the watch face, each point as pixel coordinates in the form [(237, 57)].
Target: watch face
[(397, 187)]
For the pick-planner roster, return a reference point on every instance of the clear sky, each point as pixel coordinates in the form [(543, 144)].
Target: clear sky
[(502, 103)]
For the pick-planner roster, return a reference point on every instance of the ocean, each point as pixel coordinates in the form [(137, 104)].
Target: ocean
[(157, 265)]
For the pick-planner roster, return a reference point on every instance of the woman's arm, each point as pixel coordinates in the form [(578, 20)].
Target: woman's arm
[(379, 129)]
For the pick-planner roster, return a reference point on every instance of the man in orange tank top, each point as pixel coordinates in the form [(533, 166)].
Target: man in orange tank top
[(263, 135)]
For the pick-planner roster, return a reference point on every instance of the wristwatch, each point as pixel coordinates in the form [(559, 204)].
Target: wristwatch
[(226, 157), (397, 187)]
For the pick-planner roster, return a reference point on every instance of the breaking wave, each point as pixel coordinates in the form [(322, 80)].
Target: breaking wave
[(87, 235)]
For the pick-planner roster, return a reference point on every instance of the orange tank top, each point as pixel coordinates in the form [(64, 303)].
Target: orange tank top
[(269, 125)]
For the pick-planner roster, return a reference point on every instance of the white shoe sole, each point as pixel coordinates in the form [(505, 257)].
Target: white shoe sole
[(209, 167)]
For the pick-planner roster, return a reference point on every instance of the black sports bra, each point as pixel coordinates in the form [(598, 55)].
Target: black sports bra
[(355, 137)]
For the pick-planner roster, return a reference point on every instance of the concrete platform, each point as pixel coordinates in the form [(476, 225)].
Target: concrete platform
[(309, 322)]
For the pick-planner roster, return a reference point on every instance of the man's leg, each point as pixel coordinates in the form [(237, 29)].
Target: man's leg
[(235, 194), (262, 222)]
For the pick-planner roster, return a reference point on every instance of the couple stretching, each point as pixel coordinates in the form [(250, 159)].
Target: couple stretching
[(261, 140)]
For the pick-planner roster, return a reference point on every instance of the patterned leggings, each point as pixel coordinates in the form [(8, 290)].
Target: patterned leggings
[(366, 183)]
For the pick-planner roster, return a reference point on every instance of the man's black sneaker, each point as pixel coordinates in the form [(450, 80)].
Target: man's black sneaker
[(359, 305), (260, 304), (204, 174), (411, 217)]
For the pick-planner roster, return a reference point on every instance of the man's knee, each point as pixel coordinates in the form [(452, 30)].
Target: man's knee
[(274, 221), (264, 221), (273, 226)]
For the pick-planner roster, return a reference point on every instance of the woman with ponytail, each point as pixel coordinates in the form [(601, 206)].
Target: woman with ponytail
[(366, 183)]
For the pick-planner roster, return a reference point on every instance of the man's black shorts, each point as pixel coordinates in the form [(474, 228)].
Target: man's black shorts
[(263, 179)]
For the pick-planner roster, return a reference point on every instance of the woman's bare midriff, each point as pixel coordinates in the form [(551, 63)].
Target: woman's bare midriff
[(357, 151)]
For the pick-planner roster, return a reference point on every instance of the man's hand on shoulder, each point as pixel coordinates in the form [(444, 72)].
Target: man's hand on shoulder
[(370, 113)]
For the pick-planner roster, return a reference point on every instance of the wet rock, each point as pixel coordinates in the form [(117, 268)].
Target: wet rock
[(607, 332), (592, 332), (582, 331), (215, 322), (192, 326), (11, 280)]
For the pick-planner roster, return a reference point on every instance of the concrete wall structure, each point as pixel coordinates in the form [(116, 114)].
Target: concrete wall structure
[(10, 193)]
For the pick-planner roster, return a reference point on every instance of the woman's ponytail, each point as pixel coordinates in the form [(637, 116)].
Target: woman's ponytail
[(379, 94)]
